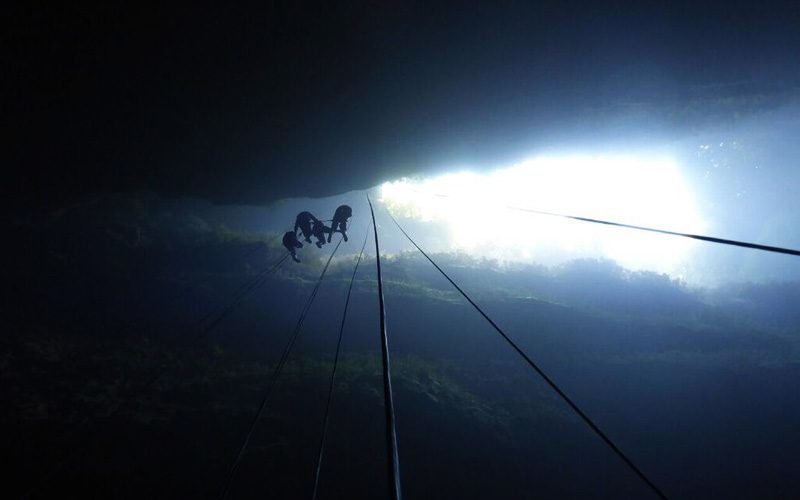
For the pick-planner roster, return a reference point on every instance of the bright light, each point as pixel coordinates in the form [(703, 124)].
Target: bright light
[(625, 190)]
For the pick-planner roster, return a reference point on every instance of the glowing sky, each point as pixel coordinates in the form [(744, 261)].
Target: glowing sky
[(471, 210)]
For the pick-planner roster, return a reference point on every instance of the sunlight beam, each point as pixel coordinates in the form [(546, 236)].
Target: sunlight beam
[(627, 190)]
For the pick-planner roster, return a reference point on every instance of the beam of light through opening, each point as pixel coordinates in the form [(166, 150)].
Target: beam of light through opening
[(619, 189)]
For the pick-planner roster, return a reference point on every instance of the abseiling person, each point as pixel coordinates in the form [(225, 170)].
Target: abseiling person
[(339, 223)]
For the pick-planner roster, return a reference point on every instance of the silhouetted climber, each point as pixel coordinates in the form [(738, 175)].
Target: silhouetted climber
[(319, 230), (303, 222), (291, 243), (339, 223)]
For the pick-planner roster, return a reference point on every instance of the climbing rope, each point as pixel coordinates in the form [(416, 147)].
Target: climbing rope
[(191, 286), (239, 296), (723, 241), (275, 374), (538, 370), (388, 398), (333, 372)]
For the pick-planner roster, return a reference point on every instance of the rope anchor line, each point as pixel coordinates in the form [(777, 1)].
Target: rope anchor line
[(541, 373), (388, 398), (236, 299), (333, 371), (273, 379), (710, 239)]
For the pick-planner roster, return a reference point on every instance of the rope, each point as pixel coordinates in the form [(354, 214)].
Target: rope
[(538, 370), (723, 241), (391, 431), (197, 283), (240, 295), (243, 292), (124, 327), (275, 374), (333, 373)]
